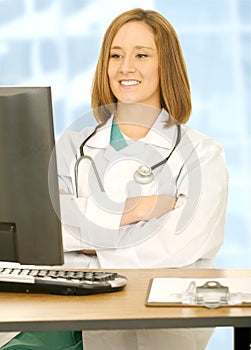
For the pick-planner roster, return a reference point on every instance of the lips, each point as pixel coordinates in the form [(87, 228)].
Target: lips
[(129, 82)]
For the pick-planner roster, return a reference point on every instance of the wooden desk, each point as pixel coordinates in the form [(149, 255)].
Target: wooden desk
[(123, 310)]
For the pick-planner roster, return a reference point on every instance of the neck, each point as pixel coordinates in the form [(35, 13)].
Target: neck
[(135, 120)]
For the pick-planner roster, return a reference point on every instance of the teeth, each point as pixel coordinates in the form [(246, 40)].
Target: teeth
[(129, 82)]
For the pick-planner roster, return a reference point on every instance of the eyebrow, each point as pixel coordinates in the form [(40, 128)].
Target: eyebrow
[(138, 47)]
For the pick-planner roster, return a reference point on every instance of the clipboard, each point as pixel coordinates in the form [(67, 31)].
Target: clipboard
[(210, 293)]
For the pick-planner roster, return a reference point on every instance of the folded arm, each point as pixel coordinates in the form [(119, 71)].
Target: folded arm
[(145, 208)]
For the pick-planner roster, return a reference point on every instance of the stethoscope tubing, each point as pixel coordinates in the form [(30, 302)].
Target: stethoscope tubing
[(178, 137), (83, 156)]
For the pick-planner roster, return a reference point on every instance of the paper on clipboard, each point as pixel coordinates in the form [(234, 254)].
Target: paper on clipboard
[(164, 291)]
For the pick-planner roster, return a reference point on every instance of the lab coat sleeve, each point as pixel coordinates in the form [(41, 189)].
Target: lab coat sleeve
[(71, 216), (85, 223), (193, 231), (79, 215)]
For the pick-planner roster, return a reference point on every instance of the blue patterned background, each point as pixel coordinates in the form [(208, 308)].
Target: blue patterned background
[(56, 43)]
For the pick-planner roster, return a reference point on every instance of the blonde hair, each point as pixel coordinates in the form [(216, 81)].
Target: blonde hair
[(175, 94)]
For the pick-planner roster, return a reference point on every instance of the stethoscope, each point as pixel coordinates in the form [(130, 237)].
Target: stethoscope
[(143, 175)]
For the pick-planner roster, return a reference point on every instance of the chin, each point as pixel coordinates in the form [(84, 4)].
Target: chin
[(129, 100)]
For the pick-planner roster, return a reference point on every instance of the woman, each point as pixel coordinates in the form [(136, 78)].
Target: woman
[(140, 93), (123, 218)]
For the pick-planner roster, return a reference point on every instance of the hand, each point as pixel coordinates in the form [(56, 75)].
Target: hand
[(62, 191), (146, 207)]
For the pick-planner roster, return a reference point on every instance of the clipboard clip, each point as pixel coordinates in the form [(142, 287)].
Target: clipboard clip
[(211, 295)]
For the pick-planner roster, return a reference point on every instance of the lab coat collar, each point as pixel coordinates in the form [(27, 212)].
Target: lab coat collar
[(158, 135), (132, 149), (101, 138)]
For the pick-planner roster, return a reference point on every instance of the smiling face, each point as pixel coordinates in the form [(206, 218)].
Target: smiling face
[(133, 68)]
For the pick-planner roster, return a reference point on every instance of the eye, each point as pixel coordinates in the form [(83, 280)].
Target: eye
[(115, 55), (142, 55)]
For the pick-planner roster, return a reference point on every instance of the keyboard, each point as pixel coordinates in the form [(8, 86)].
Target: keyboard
[(64, 282)]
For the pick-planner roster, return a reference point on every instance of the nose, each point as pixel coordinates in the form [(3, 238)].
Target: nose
[(127, 65)]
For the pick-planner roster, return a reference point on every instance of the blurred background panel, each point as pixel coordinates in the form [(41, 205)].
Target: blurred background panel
[(57, 42)]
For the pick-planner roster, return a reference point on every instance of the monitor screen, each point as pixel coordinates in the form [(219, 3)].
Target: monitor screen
[(30, 229)]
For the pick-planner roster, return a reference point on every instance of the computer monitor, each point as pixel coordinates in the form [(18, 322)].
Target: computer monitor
[(30, 227)]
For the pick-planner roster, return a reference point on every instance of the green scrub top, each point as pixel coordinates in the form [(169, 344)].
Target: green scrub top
[(45, 341), (117, 139)]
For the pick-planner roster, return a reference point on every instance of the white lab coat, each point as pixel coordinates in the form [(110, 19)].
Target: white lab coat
[(188, 236), (196, 174)]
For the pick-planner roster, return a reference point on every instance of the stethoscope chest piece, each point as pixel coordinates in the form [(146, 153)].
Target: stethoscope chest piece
[(143, 175)]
